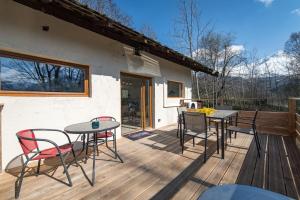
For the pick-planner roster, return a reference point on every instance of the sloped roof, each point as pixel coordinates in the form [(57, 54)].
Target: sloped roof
[(80, 15)]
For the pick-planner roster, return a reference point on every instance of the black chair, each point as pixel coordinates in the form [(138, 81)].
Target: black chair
[(179, 115), (251, 129), (195, 125)]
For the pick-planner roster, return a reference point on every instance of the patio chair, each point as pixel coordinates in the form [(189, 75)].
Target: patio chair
[(179, 114), (195, 125), (251, 129), (102, 137), (30, 146)]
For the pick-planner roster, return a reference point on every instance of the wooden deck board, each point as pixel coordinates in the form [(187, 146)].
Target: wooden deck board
[(218, 173), (235, 166), (277, 170), (276, 182), (260, 171), (287, 173), (248, 166), (155, 168), (294, 161)]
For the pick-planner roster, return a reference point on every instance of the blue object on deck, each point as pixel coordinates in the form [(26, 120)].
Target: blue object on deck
[(240, 192)]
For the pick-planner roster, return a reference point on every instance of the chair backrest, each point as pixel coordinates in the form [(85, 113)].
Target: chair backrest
[(181, 109), (27, 141), (104, 118), (247, 120), (195, 121), (223, 107), (255, 116)]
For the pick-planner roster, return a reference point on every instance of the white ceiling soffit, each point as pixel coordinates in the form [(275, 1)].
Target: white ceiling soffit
[(141, 64)]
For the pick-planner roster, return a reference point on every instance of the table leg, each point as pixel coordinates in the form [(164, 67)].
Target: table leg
[(94, 157), (86, 148), (114, 150), (222, 138), (83, 143), (83, 147)]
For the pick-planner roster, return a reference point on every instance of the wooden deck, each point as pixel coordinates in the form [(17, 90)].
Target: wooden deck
[(277, 170), (154, 168)]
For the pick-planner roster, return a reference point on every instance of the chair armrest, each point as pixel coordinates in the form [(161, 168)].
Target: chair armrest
[(41, 140), (54, 130)]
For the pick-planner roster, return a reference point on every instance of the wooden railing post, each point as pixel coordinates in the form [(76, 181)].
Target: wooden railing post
[(292, 115)]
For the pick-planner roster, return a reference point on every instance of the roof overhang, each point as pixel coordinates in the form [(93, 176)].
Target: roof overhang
[(80, 15)]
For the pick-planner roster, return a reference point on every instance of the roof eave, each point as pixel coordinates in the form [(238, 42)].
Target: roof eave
[(84, 17)]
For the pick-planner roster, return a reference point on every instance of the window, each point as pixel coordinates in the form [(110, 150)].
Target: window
[(28, 75), (175, 89)]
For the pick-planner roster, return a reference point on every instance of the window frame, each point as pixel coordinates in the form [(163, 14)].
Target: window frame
[(17, 55), (181, 92)]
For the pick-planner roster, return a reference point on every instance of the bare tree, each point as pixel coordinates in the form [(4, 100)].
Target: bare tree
[(148, 31), (110, 9), (252, 73), (292, 48), (218, 52), (188, 30)]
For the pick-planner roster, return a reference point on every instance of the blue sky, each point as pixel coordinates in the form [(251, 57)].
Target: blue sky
[(263, 25)]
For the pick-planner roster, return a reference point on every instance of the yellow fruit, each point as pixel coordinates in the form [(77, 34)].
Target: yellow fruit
[(207, 111)]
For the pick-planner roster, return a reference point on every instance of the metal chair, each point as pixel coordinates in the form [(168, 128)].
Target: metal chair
[(102, 137), (195, 125), (179, 114), (246, 121), (30, 146)]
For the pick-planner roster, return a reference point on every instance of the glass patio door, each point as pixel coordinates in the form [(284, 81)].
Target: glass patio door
[(135, 103)]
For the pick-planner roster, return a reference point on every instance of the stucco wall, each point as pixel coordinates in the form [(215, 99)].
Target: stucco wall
[(21, 31)]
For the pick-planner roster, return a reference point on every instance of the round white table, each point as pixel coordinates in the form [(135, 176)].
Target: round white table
[(238, 192), (85, 128)]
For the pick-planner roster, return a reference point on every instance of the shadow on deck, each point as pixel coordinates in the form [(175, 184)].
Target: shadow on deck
[(154, 168), (277, 170)]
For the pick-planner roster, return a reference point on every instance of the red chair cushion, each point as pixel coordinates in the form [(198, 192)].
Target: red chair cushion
[(103, 135), (53, 152)]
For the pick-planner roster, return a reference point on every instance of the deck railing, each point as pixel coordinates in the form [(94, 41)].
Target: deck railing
[(271, 122), (294, 110), (294, 106), (285, 122), (263, 104)]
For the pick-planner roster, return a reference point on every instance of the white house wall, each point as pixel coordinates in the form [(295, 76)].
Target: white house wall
[(21, 31)]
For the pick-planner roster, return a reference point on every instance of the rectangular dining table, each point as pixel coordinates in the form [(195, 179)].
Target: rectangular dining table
[(222, 115)]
